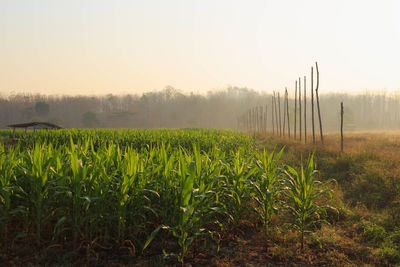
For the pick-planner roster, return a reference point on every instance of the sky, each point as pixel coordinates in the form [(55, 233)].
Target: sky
[(106, 46)]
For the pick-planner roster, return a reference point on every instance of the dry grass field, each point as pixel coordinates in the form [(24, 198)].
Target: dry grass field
[(367, 228)]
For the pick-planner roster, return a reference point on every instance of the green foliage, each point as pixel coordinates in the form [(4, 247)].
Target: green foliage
[(90, 120), (390, 249), (395, 238), (267, 188), (390, 254), (302, 192), (107, 188), (372, 232), (111, 187)]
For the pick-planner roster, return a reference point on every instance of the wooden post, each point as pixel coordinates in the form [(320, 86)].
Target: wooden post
[(287, 111), (295, 109), (300, 107), (305, 111), (319, 111), (279, 108), (256, 119), (266, 118), (284, 113), (341, 126), (248, 120), (272, 114), (260, 118), (251, 120), (246, 116), (276, 116), (312, 106)]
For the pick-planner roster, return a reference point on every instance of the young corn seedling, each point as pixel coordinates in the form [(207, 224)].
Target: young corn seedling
[(267, 186), (191, 205), (8, 161), (236, 189), (302, 191)]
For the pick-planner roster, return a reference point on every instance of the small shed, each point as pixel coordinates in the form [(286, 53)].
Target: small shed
[(35, 125)]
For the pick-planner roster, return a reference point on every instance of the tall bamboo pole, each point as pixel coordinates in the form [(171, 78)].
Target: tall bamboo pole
[(253, 121), (295, 110), (266, 118), (257, 121), (284, 113), (300, 107), (319, 111), (272, 114), (341, 126), (249, 120), (312, 105), (287, 111), (279, 108), (261, 108), (260, 118), (245, 120), (305, 111), (276, 116)]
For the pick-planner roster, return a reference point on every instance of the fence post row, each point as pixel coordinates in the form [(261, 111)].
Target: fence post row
[(256, 118)]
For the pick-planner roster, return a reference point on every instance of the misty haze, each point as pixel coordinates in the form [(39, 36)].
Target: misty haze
[(173, 108), (199, 133)]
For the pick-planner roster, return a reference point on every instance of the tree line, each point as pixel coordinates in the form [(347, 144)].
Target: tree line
[(172, 108)]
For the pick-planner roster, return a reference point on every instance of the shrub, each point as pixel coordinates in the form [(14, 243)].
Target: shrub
[(373, 232)]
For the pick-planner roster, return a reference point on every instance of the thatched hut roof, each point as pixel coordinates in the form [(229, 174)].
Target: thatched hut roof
[(40, 125)]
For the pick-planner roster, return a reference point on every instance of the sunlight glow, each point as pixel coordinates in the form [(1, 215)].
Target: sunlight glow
[(100, 47)]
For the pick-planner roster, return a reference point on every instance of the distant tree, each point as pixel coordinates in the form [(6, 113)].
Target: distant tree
[(42, 109), (90, 120)]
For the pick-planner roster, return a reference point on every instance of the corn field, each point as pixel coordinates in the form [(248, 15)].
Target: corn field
[(138, 189)]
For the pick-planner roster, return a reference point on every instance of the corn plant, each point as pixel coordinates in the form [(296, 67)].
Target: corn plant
[(118, 189), (8, 161), (236, 190), (194, 202), (267, 187), (302, 192)]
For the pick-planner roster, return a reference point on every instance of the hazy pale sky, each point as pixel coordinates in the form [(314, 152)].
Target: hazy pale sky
[(100, 47)]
